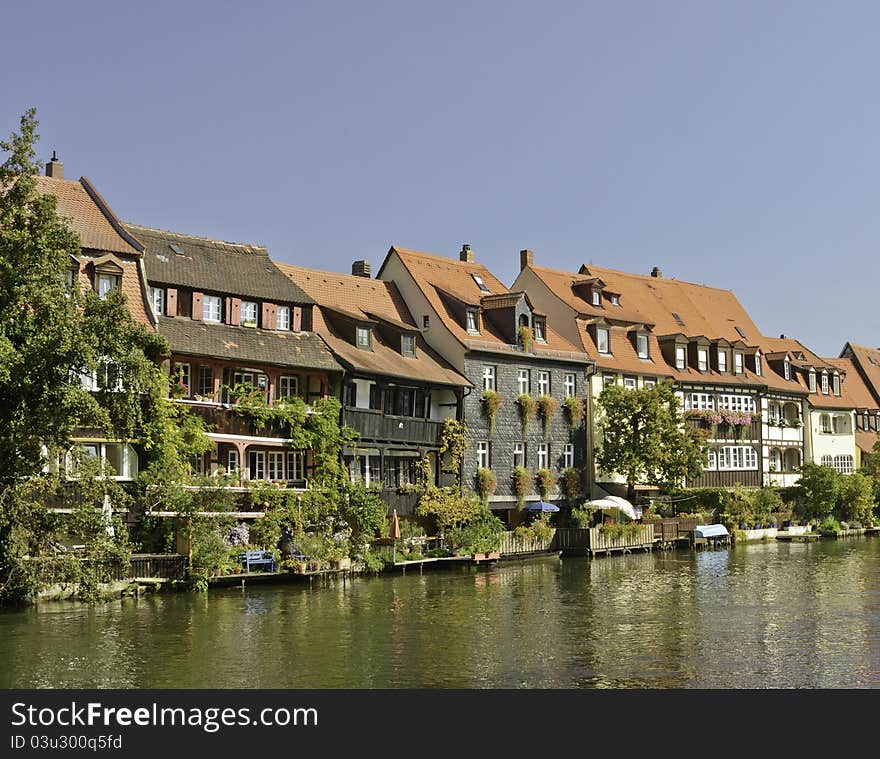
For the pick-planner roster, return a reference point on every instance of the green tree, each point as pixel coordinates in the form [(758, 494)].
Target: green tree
[(820, 486), (856, 498), (644, 438)]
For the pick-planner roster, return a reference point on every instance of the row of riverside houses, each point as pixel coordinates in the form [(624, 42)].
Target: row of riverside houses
[(431, 336)]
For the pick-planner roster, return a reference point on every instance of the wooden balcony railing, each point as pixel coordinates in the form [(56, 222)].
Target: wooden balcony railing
[(377, 426)]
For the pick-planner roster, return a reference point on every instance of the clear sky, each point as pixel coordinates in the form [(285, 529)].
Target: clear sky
[(730, 143)]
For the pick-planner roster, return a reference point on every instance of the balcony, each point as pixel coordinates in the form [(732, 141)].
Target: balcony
[(727, 432), (376, 426), (226, 421)]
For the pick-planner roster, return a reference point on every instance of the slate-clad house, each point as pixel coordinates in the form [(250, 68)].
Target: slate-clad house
[(397, 390), (234, 321), (110, 258), (471, 319)]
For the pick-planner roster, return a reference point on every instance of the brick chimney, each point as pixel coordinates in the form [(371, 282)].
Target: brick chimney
[(526, 258), (657, 272), (361, 268), (55, 168), (466, 254)]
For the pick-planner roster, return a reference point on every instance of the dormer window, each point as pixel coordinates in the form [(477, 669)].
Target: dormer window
[(759, 369), (603, 340), (157, 300), (786, 368), (737, 362), (702, 359), (282, 321), (106, 283), (248, 314), (479, 280), (824, 383), (211, 308), (596, 297), (615, 300), (722, 361), (363, 337), (680, 357), (408, 345), (540, 331), (642, 345), (70, 277), (836, 383), (472, 322), (812, 380)]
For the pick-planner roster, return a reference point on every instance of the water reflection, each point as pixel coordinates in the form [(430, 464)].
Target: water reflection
[(764, 615)]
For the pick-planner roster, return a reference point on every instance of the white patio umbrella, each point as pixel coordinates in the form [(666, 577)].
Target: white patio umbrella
[(613, 503)]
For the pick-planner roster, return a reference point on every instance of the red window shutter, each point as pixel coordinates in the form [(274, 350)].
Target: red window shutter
[(268, 320), (171, 302), (297, 318), (197, 310), (229, 311), (236, 311)]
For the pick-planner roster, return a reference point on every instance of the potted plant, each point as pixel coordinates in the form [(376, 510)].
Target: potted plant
[(574, 407), (526, 405), (547, 406), (492, 401)]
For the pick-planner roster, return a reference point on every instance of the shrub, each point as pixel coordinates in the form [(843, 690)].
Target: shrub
[(527, 404), (449, 507), (522, 484), (545, 480), (829, 526), (541, 528), (480, 535), (583, 516), (820, 486), (856, 498)]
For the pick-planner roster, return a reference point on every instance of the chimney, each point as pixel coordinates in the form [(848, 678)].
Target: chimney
[(657, 272), (55, 168), (466, 254), (361, 268), (526, 258)]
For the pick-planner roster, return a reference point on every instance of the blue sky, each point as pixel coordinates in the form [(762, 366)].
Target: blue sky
[(730, 143)]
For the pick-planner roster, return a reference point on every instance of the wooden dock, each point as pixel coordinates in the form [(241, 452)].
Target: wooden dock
[(806, 537)]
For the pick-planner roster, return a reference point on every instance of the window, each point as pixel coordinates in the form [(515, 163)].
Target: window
[(740, 333), (603, 340), (426, 321), (472, 322), (786, 369), (642, 345), (180, 376), (741, 403), (824, 383), (680, 357), (608, 380), (232, 460), (844, 464), (773, 412), (812, 381), (408, 345), (759, 369), (711, 459), (615, 300), (737, 457), (722, 361), (206, 381), (288, 387), (629, 383), (699, 401), (540, 332), (649, 382), (702, 359), (479, 280), (737, 362), (211, 311), (258, 465), (543, 455), (276, 465), (70, 278), (519, 454), (157, 300), (248, 314), (543, 383), (295, 466), (283, 320), (570, 384), (836, 383), (488, 378), (775, 460), (375, 397), (877, 422), (363, 337), (866, 421), (106, 283), (522, 381), (596, 297), (827, 460), (483, 458), (839, 425), (568, 455), (825, 423), (119, 461)]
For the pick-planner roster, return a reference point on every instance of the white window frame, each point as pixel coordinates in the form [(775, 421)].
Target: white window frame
[(649, 382), (522, 381), (232, 462), (275, 466), (680, 357), (363, 337), (643, 345), (812, 381), (212, 309), (838, 424), (519, 454), (106, 283), (543, 383), (703, 359), (543, 455), (738, 457), (296, 466), (184, 376), (824, 383), (835, 384), (844, 464), (722, 361), (568, 456), (603, 340), (741, 403), (157, 300), (570, 384), (287, 387), (738, 362), (608, 380), (282, 320), (759, 368), (630, 383), (488, 377), (259, 470), (484, 454), (825, 424), (248, 313), (471, 322), (408, 345), (699, 402), (711, 459), (786, 369), (540, 330)]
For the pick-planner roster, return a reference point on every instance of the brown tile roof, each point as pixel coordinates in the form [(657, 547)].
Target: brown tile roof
[(215, 266), (303, 350), (436, 275), (362, 298), (803, 357), (852, 386), (866, 440), (868, 360), (89, 215)]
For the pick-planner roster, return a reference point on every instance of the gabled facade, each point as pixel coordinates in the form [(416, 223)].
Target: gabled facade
[(644, 329), (477, 325), (861, 367), (397, 390), (235, 323)]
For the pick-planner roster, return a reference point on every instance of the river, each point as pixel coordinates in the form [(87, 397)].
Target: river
[(762, 615)]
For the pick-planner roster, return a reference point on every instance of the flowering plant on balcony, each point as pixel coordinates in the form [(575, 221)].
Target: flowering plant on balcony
[(491, 403), (527, 405), (547, 407)]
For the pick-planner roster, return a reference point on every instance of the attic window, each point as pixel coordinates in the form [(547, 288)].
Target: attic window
[(176, 248), (677, 319), (408, 345), (471, 323), (540, 330), (363, 338), (597, 297), (836, 383), (787, 368), (615, 300), (758, 369), (812, 380), (740, 333), (106, 283), (479, 280)]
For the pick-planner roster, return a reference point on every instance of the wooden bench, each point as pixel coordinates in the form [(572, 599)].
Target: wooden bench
[(257, 558)]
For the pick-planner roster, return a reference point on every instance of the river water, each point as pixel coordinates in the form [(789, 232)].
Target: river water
[(762, 615)]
